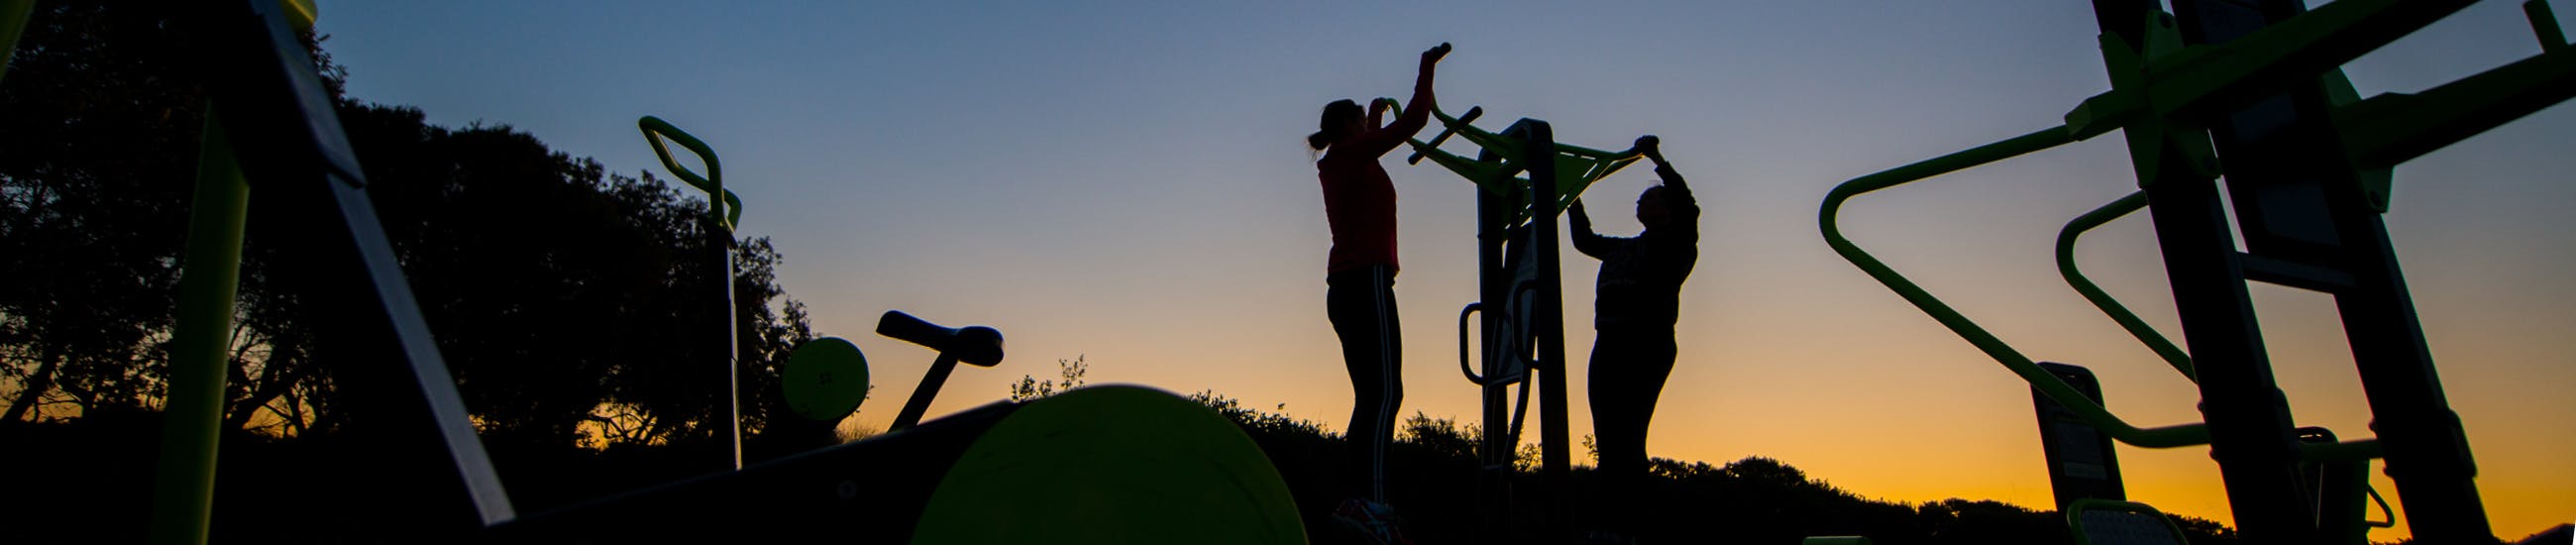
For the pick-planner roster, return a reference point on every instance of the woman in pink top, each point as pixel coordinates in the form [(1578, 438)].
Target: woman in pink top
[(1359, 202)]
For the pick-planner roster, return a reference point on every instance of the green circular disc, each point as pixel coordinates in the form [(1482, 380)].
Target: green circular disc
[(1112, 464), (825, 379)]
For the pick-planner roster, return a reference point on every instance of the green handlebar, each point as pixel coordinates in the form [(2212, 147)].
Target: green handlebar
[(2173, 355), (1447, 130), (1577, 167), (724, 204), (2047, 384)]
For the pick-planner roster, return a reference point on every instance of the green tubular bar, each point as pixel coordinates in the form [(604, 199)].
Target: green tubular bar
[(2075, 278), (726, 210), (2048, 384), (655, 129), (2319, 40), (13, 20), (183, 489)]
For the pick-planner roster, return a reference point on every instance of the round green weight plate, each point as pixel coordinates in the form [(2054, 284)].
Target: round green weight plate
[(1112, 464), (825, 379)]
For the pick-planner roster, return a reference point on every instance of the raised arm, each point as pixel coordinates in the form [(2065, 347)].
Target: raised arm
[(1652, 147), (1678, 200), (1579, 226), (1377, 141)]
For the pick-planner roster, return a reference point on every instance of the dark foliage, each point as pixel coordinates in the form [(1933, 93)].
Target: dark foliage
[(1436, 486), (579, 311), (97, 143), (568, 300)]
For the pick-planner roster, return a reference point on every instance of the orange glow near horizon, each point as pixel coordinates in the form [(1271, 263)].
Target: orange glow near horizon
[(1837, 377), (1128, 184)]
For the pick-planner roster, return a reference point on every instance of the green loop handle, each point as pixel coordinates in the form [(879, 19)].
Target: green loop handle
[(723, 204), (2048, 384), (2172, 354)]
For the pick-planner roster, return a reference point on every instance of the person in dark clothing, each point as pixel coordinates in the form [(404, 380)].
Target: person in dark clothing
[(1636, 303), (1359, 203)]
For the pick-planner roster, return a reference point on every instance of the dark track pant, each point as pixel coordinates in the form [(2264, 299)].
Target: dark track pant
[(1361, 303), (1628, 371)]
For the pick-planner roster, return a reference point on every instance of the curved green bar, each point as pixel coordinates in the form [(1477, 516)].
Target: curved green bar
[(1112, 464), (2164, 348), (2048, 384), (724, 204)]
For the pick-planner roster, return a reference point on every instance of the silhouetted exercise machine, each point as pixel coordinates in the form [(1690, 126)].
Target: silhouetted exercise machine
[(1100, 464), (1520, 295), (724, 212), (976, 345), (2251, 90)]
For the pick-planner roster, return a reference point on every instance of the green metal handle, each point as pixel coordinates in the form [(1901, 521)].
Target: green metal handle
[(2164, 348), (722, 203), (2047, 384)]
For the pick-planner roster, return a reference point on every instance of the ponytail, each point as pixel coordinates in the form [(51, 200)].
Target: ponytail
[(1334, 122)]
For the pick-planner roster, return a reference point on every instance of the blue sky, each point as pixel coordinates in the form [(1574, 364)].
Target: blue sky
[(1127, 182)]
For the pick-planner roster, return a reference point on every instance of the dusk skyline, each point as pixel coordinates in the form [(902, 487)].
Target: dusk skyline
[(1129, 185)]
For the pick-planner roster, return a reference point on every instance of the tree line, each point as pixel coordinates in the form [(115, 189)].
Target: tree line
[(578, 305)]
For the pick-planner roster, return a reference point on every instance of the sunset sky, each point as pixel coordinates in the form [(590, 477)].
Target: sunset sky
[(1129, 184)]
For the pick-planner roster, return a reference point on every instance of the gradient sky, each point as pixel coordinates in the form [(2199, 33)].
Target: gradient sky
[(1129, 184)]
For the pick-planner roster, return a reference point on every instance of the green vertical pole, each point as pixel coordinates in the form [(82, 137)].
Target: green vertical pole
[(13, 20), (200, 348)]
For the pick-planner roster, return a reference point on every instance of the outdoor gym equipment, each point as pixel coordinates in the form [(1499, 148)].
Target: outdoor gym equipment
[(976, 345), (1190, 472), (1520, 290), (2252, 91), (825, 379), (724, 211)]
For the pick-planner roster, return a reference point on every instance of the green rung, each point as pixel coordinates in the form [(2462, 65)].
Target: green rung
[(1577, 167)]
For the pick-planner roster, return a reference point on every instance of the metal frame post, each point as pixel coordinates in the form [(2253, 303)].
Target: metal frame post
[(1538, 152), (1500, 447), (2251, 431), (287, 138)]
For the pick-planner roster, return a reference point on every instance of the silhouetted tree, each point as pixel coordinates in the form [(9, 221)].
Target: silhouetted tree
[(565, 299), (97, 143)]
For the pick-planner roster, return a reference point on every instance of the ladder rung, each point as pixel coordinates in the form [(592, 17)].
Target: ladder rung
[(2293, 273)]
